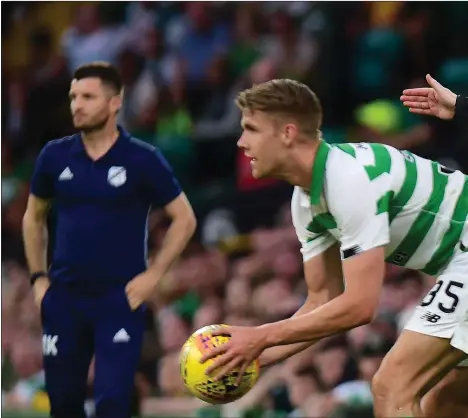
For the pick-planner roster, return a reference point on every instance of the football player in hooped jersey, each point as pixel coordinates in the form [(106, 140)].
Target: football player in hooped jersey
[(354, 207)]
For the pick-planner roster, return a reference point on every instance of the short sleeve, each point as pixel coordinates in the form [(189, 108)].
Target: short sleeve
[(42, 182), (353, 202), (312, 244), (315, 244), (160, 182)]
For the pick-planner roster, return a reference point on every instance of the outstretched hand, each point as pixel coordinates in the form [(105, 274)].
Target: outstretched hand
[(245, 345), (436, 100)]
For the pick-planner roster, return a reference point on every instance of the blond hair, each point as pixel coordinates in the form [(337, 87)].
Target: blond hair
[(285, 98)]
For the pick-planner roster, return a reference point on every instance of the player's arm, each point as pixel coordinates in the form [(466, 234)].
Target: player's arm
[(183, 225), (35, 235), (165, 192), (363, 235), (324, 280)]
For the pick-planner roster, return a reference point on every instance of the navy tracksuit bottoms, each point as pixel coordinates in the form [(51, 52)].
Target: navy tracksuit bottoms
[(78, 324)]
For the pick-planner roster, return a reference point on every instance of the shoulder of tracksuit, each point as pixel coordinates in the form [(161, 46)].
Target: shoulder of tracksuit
[(142, 145), (148, 152), (60, 144)]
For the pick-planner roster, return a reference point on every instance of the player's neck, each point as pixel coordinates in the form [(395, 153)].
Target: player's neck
[(298, 167), (100, 141)]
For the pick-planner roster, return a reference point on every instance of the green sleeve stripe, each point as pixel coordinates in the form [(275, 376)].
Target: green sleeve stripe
[(383, 161), (349, 149), (407, 189), (321, 223), (383, 204), (452, 236), (423, 221)]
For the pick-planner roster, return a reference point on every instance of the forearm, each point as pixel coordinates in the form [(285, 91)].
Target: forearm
[(35, 239), (315, 300), (274, 355), (338, 315), (174, 243)]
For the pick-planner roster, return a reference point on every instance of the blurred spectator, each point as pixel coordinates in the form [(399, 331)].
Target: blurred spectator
[(173, 128), (303, 385), (210, 312), (358, 392), (139, 91), (87, 39), (171, 383), (335, 362), (172, 330), (16, 98), (14, 198), (216, 120), (203, 42), (26, 358), (273, 301), (141, 20), (160, 64), (237, 296), (47, 113), (245, 50), (292, 52)]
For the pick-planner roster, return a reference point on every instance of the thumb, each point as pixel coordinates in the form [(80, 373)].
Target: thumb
[(434, 83)]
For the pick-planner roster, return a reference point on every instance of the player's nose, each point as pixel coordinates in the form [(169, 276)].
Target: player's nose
[(75, 109), (77, 104)]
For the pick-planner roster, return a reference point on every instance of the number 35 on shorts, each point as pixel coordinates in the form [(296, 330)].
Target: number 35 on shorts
[(445, 296)]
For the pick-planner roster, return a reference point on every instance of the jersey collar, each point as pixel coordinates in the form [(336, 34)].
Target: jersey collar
[(318, 172), (78, 146)]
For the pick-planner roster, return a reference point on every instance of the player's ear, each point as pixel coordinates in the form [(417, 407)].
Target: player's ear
[(289, 134), (116, 102)]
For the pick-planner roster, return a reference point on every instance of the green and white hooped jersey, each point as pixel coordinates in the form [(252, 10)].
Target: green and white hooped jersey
[(368, 195)]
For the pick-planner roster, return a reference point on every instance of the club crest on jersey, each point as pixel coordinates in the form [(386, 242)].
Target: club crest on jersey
[(117, 176)]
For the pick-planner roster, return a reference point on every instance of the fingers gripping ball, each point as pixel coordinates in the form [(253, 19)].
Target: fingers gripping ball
[(195, 378)]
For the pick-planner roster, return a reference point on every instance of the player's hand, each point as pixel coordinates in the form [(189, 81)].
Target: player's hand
[(246, 344), (40, 288), (140, 289), (436, 100)]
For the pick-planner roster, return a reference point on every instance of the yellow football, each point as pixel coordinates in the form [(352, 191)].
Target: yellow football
[(195, 378)]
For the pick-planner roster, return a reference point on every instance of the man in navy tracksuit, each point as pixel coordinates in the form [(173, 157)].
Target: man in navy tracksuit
[(103, 184)]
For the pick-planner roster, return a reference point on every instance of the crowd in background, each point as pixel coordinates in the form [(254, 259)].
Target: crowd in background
[(182, 65)]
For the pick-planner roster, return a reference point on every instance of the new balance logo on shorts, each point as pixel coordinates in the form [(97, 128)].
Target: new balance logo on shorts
[(430, 317)]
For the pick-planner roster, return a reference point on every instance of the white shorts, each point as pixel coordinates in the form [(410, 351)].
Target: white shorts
[(443, 312)]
